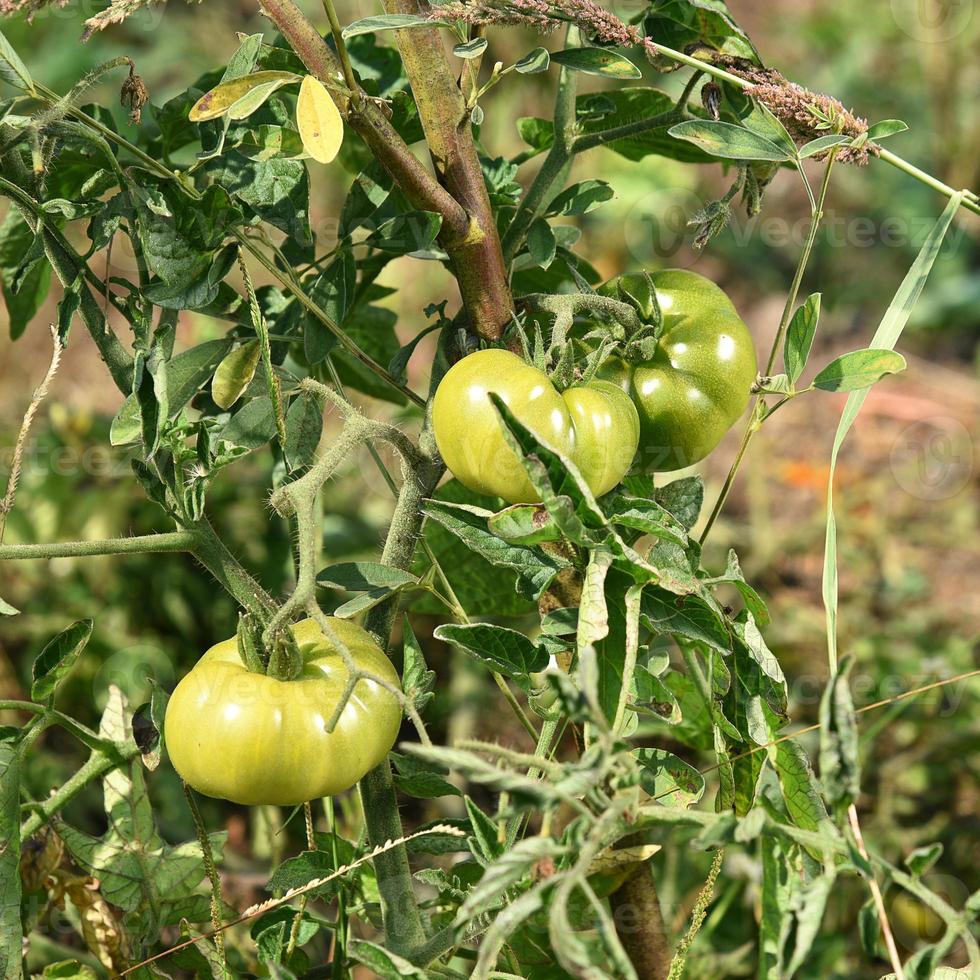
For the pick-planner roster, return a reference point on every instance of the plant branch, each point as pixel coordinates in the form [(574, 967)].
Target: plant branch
[(476, 255), (139, 544), (554, 163), (758, 408)]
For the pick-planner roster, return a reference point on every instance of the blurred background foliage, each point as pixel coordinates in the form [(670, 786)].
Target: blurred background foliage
[(908, 479)]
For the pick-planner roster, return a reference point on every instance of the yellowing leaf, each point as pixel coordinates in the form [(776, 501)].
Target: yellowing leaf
[(234, 374), (239, 97), (320, 124)]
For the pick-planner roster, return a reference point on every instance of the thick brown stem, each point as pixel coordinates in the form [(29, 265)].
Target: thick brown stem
[(468, 233), (477, 257), (640, 925)]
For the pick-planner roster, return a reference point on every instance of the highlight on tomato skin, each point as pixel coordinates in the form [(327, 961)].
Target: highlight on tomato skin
[(698, 382), (594, 425), (252, 739)]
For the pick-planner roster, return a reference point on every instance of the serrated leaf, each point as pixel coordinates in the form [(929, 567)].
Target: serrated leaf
[(504, 650), (318, 119), (541, 243), (859, 369), (234, 374), (186, 373), (58, 657), (239, 97), (597, 61), (304, 426), (799, 337), (726, 140)]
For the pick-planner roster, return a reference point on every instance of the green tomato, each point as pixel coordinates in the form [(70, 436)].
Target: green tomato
[(253, 739), (698, 383), (594, 425)]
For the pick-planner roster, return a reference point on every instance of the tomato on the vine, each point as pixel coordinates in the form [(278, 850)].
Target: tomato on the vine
[(595, 425), (698, 382), (250, 738)]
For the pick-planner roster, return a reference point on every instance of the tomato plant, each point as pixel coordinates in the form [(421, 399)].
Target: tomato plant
[(251, 738), (593, 425), (255, 263)]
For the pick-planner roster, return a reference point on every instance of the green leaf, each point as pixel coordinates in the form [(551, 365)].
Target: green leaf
[(417, 679), (726, 140), (360, 576), (668, 779), (252, 426), (687, 616), (25, 281), (885, 128), (682, 498), (524, 524), (885, 338), (821, 144), (533, 62), (859, 369), (304, 426), (466, 549), (390, 22), (799, 786), (541, 243), (6, 609), (581, 198), (12, 69), (799, 336), (504, 650), (923, 858), (57, 658), (424, 780), (597, 61), (380, 961), (137, 870), (187, 372), (471, 49)]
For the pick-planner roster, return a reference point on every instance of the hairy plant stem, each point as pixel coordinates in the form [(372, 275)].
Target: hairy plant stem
[(758, 408), (98, 765), (139, 544), (404, 930), (207, 855)]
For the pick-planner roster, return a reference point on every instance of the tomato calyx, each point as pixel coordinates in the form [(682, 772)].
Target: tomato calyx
[(280, 658)]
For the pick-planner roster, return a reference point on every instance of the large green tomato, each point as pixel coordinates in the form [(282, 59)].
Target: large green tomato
[(253, 739), (698, 382), (594, 425)]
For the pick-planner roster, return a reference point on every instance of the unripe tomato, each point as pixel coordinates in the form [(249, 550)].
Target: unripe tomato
[(594, 425), (697, 384), (250, 738)]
